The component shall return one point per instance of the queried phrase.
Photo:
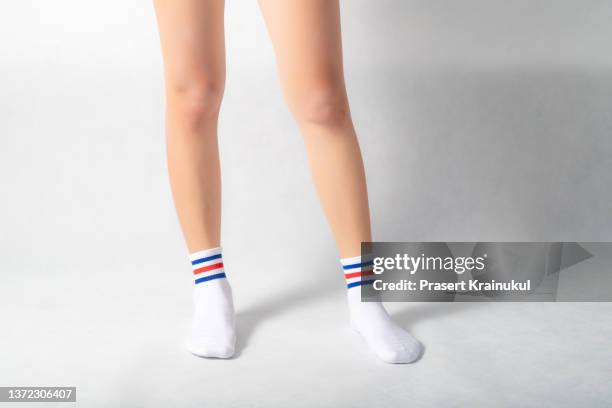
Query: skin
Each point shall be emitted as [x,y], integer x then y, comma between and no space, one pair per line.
[307,42]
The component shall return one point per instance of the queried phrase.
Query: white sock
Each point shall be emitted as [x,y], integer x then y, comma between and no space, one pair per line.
[212,329]
[389,341]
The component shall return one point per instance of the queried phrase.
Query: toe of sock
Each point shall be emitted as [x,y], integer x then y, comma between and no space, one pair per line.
[212,350]
[403,355]
[221,346]
[397,347]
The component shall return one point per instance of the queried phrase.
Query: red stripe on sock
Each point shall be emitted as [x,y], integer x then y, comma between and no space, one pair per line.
[208,268]
[356,274]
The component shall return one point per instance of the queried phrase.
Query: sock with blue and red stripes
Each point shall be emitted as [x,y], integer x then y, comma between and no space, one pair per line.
[212,329]
[390,342]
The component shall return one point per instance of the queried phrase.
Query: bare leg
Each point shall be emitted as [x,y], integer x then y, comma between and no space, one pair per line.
[192,39]
[306,38]
[307,42]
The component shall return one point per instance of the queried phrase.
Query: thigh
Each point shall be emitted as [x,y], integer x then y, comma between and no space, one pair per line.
[192,39]
[307,41]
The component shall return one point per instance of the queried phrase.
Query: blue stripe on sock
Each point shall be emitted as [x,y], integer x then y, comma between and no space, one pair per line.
[211,277]
[358,265]
[208,258]
[359,283]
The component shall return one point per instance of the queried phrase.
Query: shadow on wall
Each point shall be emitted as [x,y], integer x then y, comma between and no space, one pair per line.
[483,119]
[479,156]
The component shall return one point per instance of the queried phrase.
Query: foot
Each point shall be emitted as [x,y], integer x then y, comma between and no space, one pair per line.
[391,343]
[213,329]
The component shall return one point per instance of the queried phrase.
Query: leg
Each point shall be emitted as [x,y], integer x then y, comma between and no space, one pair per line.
[307,42]
[306,38]
[192,39]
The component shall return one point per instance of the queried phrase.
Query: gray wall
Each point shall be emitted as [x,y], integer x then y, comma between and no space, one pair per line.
[479,120]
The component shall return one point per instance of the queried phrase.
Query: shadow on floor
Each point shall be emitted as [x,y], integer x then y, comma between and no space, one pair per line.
[277,304]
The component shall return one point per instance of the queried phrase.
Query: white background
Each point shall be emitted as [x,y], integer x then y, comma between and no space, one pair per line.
[479,120]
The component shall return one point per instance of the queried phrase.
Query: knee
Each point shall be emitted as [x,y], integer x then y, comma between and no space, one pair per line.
[323,107]
[196,101]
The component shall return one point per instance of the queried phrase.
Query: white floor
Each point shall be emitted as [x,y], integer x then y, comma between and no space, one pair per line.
[117,337]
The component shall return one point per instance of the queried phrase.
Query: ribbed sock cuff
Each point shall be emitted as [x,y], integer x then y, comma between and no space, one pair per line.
[207,265]
[357,271]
